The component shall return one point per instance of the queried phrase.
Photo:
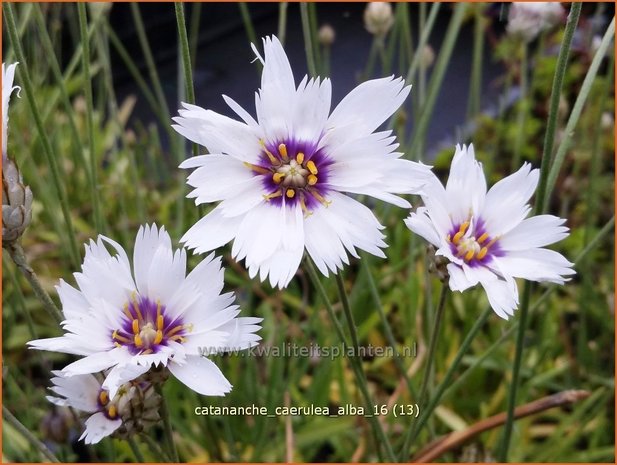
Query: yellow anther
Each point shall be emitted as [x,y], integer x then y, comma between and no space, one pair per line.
[127,312]
[135,326]
[159,322]
[482,238]
[493,240]
[117,344]
[482,253]
[177,337]
[256,168]
[290,193]
[306,211]
[457,237]
[103,397]
[273,195]
[146,352]
[120,338]
[449,238]
[469,255]
[283,151]
[159,337]
[463,227]
[136,306]
[138,341]
[112,412]
[318,196]
[312,179]
[273,159]
[310,165]
[300,157]
[278,177]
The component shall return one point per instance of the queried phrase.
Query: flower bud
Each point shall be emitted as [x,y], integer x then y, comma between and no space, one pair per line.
[378,18]
[527,19]
[16,203]
[437,264]
[428,56]
[137,403]
[326,35]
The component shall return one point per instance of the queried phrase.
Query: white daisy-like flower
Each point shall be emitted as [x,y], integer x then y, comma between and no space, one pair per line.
[135,404]
[155,315]
[280,179]
[486,236]
[8,75]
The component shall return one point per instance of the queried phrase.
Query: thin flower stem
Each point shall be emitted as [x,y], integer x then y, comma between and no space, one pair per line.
[308,39]
[429,362]
[576,112]
[475,88]
[194,31]
[522,108]
[549,137]
[386,325]
[445,383]
[375,425]
[282,25]
[85,59]
[51,156]
[169,434]
[560,71]
[358,362]
[155,447]
[15,423]
[19,258]
[186,60]
[135,449]
[437,76]
[248,23]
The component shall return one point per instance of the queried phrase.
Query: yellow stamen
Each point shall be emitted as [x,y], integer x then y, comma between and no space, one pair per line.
[461,232]
[256,168]
[482,238]
[104,397]
[283,151]
[112,411]
[318,196]
[305,210]
[159,337]
[492,242]
[120,338]
[310,165]
[136,306]
[159,322]
[138,341]
[127,312]
[312,180]
[448,238]
[146,352]
[174,330]
[278,177]
[135,326]
[300,157]
[177,337]
[482,253]
[273,159]
[469,255]
[290,193]
[273,195]
[117,344]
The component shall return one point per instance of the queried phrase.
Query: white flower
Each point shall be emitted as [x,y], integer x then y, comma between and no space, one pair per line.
[84,393]
[136,403]
[527,19]
[280,178]
[487,236]
[130,321]
[8,74]
[378,18]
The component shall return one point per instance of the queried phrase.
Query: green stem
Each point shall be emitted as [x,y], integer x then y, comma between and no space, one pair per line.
[282,26]
[169,434]
[136,452]
[248,23]
[194,31]
[155,447]
[15,423]
[475,90]
[549,138]
[308,39]
[341,334]
[560,71]
[576,112]
[19,258]
[186,60]
[412,432]
[386,325]
[85,59]
[445,383]
[438,74]
[51,156]
[522,108]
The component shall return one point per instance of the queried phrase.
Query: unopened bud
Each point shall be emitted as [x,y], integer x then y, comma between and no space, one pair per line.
[326,35]
[437,264]
[378,18]
[16,203]
[428,56]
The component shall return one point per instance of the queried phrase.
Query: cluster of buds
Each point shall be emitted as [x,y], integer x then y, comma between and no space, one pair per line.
[137,403]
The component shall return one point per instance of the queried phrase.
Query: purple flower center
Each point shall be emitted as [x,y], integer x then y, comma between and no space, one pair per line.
[146,327]
[471,242]
[293,172]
